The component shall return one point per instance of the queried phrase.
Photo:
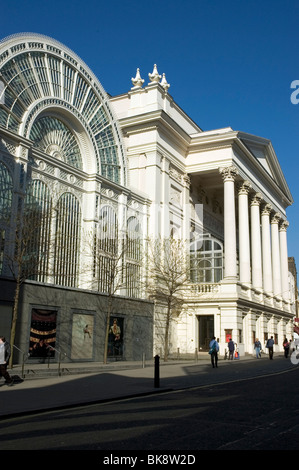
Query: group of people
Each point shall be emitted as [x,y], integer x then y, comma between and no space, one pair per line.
[214,349]
[269,346]
[287,346]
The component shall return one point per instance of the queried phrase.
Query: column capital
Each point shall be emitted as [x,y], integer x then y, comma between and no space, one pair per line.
[256,199]
[283,226]
[228,173]
[267,209]
[186,180]
[276,218]
[244,188]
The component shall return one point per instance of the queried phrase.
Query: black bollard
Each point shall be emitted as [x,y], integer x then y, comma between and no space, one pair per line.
[157,371]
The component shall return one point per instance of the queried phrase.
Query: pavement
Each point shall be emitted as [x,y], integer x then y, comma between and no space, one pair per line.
[46,387]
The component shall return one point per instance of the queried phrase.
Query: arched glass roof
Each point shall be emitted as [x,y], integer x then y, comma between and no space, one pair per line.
[37,72]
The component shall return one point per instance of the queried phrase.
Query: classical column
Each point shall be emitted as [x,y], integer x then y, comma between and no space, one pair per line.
[276,272]
[244,241]
[256,248]
[230,245]
[284,260]
[266,249]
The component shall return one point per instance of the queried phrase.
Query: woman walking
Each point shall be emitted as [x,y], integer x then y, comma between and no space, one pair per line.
[258,348]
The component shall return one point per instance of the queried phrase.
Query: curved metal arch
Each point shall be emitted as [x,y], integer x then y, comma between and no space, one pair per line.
[35,68]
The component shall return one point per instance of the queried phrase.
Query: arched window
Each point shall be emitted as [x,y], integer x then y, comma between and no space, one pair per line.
[133,248]
[37,230]
[38,72]
[206,260]
[133,257]
[67,241]
[106,250]
[108,230]
[52,136]
[6,192]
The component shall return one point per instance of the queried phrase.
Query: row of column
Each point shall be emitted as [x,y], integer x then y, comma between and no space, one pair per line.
[263,255]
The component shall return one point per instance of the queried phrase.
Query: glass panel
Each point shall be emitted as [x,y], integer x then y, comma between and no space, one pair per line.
[52,136]
[67,242]
[38,214]
[5,193]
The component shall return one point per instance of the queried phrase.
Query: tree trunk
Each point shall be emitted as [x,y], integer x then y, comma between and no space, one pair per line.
[107,329]
[14,320]
[166,338]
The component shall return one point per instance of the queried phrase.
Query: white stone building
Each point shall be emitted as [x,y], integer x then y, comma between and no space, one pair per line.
[137,161]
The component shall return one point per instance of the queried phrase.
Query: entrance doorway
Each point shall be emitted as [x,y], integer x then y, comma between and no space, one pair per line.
[205,331]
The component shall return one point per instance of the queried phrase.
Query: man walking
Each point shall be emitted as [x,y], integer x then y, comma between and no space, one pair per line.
[231,348]
[214,348]
[269,345]
[4,358]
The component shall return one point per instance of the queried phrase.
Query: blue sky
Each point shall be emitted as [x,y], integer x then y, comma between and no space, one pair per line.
[229,63]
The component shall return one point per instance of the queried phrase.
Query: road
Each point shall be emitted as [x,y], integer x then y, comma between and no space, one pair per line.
[240,412]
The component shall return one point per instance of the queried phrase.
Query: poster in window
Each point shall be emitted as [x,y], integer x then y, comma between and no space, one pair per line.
[115,338]
[82,336]
[228,335]
[42,333]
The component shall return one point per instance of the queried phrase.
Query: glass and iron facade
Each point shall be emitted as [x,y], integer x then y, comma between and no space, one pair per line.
[66,214]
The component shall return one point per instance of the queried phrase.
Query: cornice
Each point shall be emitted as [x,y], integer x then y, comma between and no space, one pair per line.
[157,118]
[14,137]
[160,121]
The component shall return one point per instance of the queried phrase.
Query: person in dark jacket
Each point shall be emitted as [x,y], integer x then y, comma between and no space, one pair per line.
[269,345]
[4,358]
[231,349]
[286,347]
[214,349]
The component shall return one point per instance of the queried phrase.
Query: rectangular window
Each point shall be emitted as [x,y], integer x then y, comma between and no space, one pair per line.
[228,335]
[115,338]
[82,336]
[42,333]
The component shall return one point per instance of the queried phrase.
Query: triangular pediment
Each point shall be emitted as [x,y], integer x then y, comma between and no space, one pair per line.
[264,153]
[261,155]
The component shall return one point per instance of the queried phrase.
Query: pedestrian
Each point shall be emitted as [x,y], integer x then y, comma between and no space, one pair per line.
[4,358]
[269,345]
[214,349]
[286,347]
[231,348]
[258,348]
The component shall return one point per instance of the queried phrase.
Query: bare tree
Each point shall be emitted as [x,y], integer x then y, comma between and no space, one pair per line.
[116,261]
[27,252]
[168,276]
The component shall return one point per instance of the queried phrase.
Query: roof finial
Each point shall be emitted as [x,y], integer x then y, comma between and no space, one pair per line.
[164,83]
[137,81]
[154,77]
